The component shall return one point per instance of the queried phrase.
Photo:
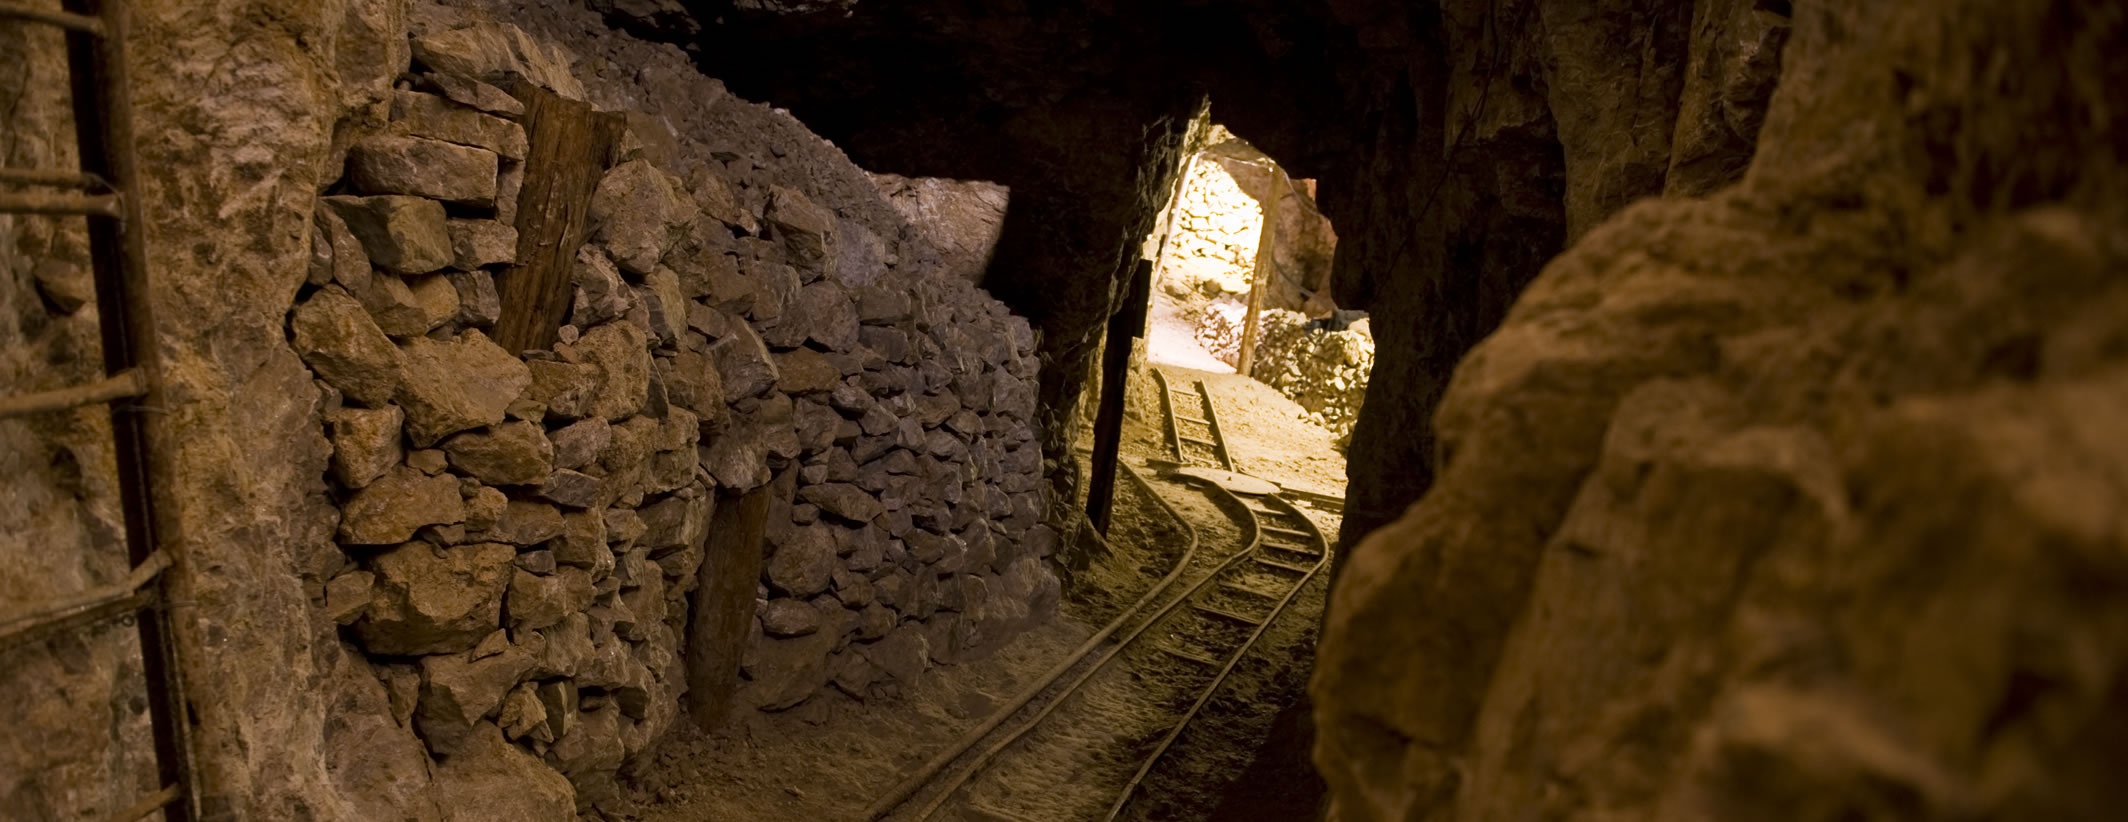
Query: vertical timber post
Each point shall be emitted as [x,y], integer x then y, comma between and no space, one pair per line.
[721,612]
[570,147]
[1127,324]
[1266,265]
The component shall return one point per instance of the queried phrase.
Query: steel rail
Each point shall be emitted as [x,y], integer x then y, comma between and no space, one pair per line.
[961,778]
[1167,408]
[1211,420]
[1137,780]
[915,782]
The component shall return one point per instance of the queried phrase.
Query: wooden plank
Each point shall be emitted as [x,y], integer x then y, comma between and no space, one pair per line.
[1126,324]
[1260,278]
[571,146]
[721,613]
[128,383]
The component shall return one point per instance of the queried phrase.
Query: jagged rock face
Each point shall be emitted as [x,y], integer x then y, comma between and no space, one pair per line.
[1758,502]
[440,540]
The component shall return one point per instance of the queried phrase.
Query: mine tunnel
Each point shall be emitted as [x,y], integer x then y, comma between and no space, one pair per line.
[1055,410]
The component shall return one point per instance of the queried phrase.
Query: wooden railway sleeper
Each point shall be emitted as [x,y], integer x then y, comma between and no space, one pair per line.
[1225,614]
[1286,566]
[1191,655]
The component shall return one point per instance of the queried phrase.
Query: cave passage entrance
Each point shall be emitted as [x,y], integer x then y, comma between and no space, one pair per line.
[1241,237]
[1233,287]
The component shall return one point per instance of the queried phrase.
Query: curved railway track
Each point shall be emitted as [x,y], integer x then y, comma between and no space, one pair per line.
[1084,740]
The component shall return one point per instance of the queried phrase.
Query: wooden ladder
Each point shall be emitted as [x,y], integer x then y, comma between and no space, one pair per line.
[106,191]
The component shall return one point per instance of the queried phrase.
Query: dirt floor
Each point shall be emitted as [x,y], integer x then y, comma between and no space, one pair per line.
[1264,432]
[1171,338]
[830,757]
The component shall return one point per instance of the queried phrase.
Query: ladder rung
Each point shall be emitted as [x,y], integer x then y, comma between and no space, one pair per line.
[1188,418]
[65,20]
[58,202]
[1199,440]
[151,803]
[1289,532]
[1189,655]
[1298,569]
[127,383]
[95,603]
[995,815]
[1222,613]
[49,177]
[1244,589]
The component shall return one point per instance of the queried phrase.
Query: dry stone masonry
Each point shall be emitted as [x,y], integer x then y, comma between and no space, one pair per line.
[1323,370]
[520,531]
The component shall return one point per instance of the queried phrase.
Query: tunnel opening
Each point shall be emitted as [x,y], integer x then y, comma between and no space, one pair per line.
[766,409]
[1226,279]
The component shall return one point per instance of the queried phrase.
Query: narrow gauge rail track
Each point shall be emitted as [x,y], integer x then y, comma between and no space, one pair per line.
[1201,443]
[1168,665]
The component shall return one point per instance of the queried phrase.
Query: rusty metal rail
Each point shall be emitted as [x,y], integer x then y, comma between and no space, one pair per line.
[1208,448]
[103,131]
[1272,527]
[922,776]
[946,792]
[1322,546]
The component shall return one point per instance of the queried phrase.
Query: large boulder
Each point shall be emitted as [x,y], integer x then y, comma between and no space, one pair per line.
[844,500]
[439,118]
[430,600]
[806,230]
[618,358]
[513,453]
[481,243]
[782,673]
[489,778]
[638,213]
[344,347]
[499,53]
[403,234]
[452,386]
[744,365]
[392,508]
[365,443]
[459,690]
[420,167]
[804,564]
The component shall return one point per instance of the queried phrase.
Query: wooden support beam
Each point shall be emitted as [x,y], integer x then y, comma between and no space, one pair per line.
[1128,323]
[721,609]
[1266,262]
[571,146]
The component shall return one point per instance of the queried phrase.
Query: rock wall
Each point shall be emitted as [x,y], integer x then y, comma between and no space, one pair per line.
[427,577]
[69,698]
[1220,222]
[724,328]
[1800,501]
[962,218]
[1324,371]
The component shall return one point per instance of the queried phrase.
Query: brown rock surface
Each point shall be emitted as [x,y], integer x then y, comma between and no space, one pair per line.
[399,233]
[489,778]
[1758,502]
[452,386]
[391,508]
[340,342]
[429,600]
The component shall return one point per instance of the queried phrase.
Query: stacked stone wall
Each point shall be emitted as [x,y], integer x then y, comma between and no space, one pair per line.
[520,531]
